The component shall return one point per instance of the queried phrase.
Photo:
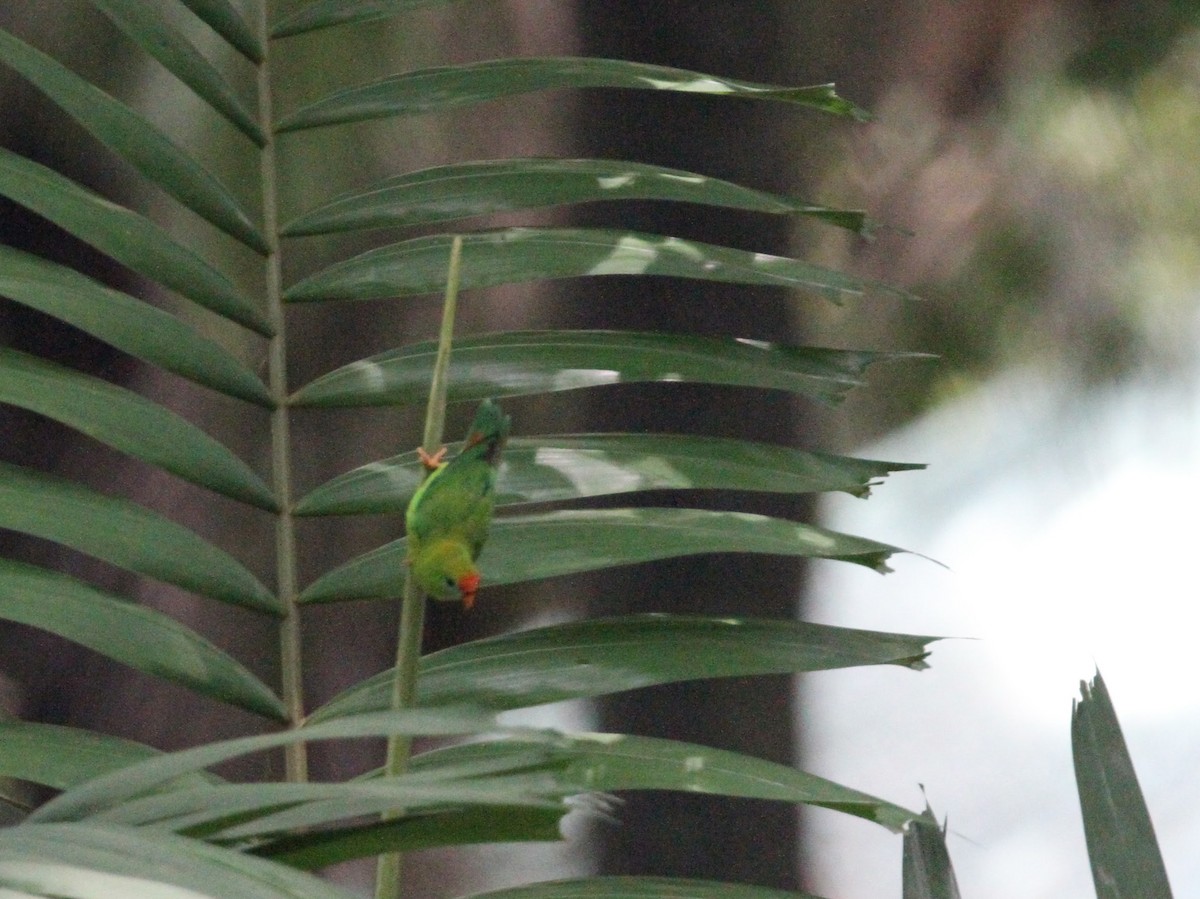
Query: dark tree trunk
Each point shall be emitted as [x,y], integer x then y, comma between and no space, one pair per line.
[673,834]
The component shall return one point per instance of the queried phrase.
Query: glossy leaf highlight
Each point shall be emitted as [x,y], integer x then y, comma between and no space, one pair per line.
[552,469]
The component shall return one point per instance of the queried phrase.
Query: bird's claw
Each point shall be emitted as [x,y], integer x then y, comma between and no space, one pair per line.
[431,461]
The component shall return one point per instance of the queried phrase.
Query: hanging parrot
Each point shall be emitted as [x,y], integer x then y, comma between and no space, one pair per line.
[448,516]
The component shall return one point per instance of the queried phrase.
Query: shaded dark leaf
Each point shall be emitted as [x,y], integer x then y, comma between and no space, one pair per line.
[1126,861]
[450,87]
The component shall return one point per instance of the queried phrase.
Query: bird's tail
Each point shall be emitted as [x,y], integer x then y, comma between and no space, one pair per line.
[488,433]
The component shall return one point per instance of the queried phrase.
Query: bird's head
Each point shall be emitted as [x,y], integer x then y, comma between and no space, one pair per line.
[445,571]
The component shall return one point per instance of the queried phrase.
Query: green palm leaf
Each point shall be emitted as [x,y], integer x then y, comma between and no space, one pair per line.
[127,237]
[574,541]
[456,827]
[222,18]
[129,423]
[124,534]
[146,27]
[592,658]
[61,757]
[326,13]
[451,87]
[135,139]
[131,634]
[468,189]
[519,363]
[89,861]
[609,762]
[514,255]
[926,870]
[552,469]
[1126,861]
[229,812]
[126,323]
[110,790]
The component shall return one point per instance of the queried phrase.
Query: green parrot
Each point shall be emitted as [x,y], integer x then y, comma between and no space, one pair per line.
[448,516]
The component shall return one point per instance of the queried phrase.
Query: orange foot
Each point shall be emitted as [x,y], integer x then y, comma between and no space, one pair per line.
[431,462]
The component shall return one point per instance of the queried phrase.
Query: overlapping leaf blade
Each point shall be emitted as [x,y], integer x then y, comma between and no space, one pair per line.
[530,788]
[1125,858]
[135,139]
[61,757]
[91,861]
[230,812]
[451,87]
[126,535]
[597,657]
[468,189]
[127,237]
[572,541]
[126,323]
[326,13]
[222,18]
[610,762]
[551,469]
[132,634]
[130,423]
[108,790]
[518,363]
[457,827]
[146,27]
[513,255]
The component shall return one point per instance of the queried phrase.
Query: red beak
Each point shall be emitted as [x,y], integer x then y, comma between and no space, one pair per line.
[469,585]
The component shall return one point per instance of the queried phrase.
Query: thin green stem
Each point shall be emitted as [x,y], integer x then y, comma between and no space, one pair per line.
[412,605]
[290,662]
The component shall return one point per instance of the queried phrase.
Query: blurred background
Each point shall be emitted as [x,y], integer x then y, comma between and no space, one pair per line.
[1033,165]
